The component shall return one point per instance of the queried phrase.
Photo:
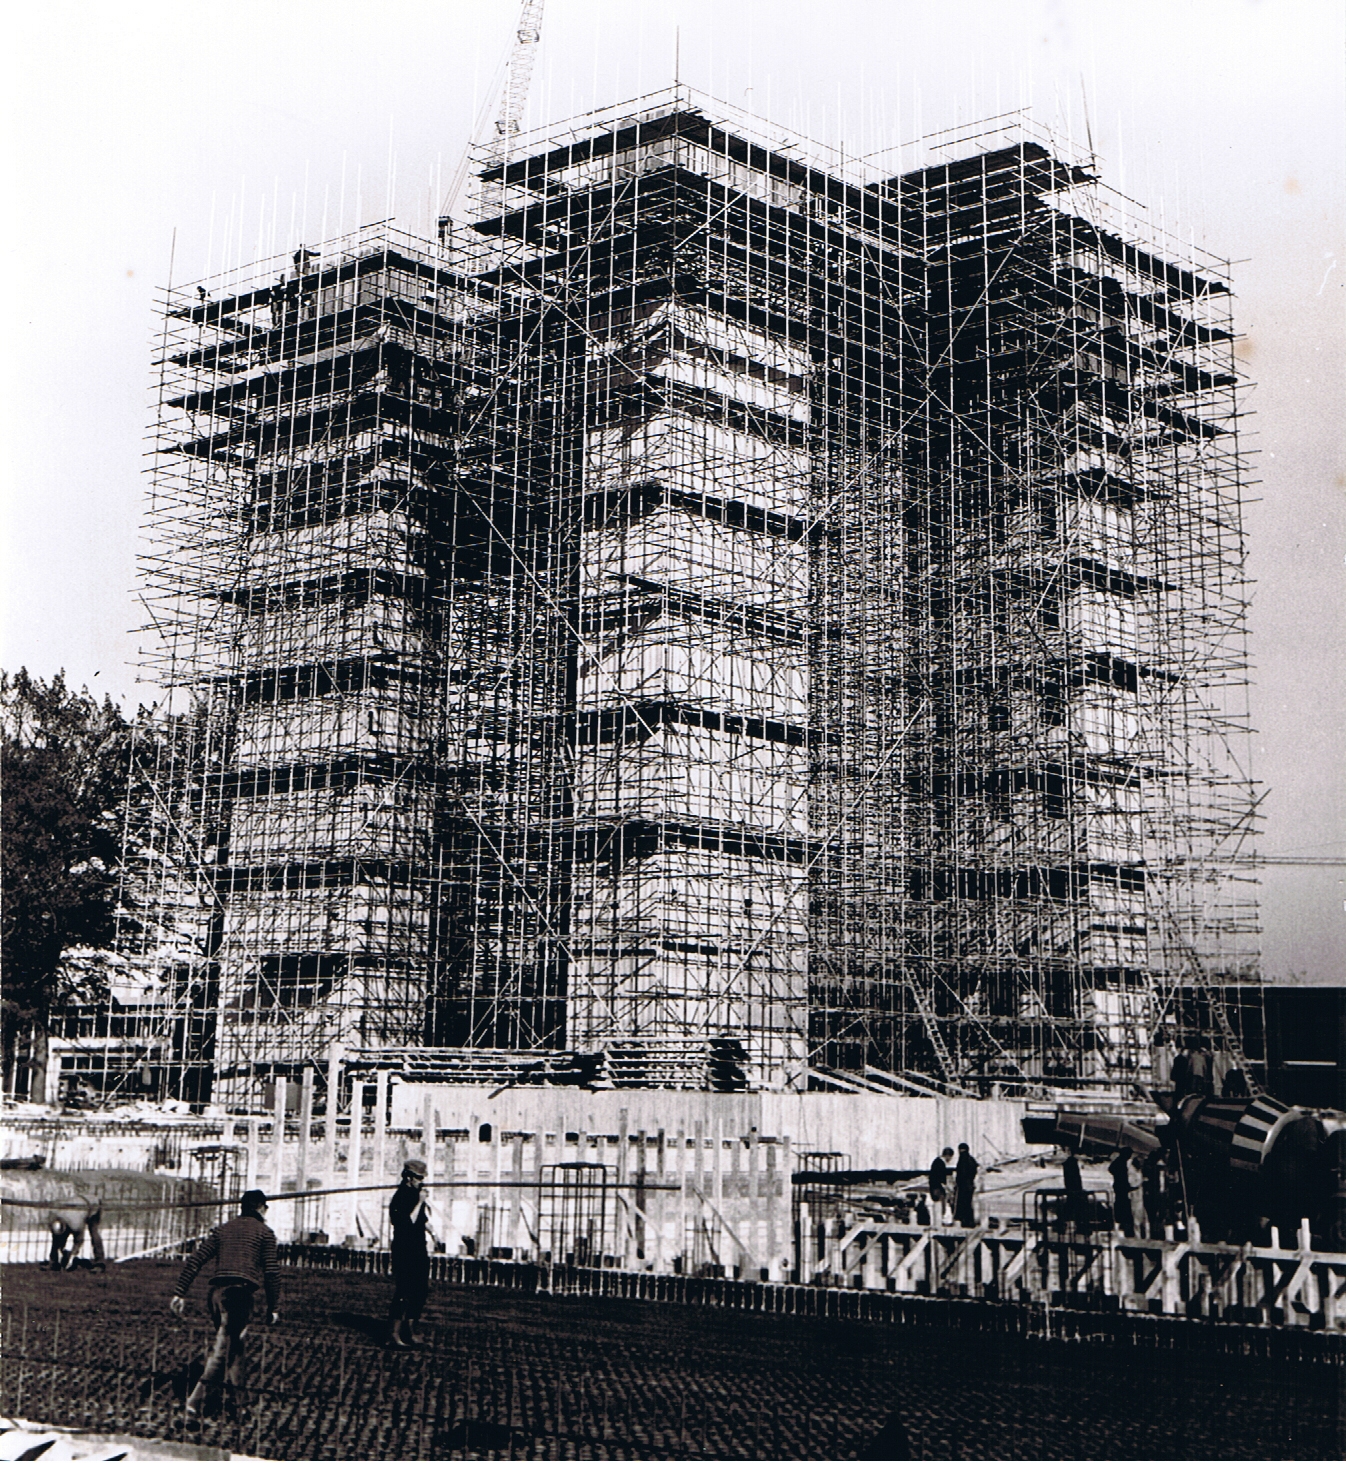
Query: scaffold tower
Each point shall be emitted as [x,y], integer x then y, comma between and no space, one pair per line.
[723,611]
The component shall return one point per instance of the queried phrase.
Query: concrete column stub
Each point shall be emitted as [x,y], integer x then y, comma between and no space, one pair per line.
[282,1086]
[305,1125]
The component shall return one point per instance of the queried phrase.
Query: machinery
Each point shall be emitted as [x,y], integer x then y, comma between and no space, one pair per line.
[1240,1165]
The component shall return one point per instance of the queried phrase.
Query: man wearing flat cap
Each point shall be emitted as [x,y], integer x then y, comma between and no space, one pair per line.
[409,1216]
[244,1251]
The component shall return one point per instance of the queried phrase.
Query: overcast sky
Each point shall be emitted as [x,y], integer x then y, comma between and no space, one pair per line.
[190,136]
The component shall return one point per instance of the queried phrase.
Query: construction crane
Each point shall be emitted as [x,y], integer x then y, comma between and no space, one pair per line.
[518,76]
[513,98]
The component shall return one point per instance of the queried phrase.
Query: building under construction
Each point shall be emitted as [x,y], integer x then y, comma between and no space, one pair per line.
[719,618]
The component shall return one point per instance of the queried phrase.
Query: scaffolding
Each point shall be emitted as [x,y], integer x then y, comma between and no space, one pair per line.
[718,610]
[1081,602]
[301,463]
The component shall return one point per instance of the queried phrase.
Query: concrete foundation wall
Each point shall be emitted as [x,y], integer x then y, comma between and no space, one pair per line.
[74,1143]
[873,1132]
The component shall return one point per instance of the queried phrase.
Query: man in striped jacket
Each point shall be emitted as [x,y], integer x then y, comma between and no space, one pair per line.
[244,1251]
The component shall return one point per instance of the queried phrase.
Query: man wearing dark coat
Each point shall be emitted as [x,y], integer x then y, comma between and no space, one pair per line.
[1076,1211]
[964,1187]
[939,1187]
[408,1214]
[1122,1173]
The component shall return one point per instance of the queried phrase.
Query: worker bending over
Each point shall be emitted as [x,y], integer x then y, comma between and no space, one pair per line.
[68,1223]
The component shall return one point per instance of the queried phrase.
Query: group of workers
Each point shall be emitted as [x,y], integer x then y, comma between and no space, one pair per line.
[953,1187]
[246,1266]
[1142,1193]
[1142,1197]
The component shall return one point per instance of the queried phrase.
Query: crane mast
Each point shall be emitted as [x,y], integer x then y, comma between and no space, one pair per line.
[518,76]
[513,98]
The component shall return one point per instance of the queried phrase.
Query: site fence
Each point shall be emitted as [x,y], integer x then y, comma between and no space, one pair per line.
[1054,1286]
[1288,1285]
[1081,1313]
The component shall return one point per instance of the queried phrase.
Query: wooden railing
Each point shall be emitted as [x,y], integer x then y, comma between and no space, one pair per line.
[1264,1285]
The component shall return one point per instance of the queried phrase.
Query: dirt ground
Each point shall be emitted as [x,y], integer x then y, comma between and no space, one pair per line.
[516,1375]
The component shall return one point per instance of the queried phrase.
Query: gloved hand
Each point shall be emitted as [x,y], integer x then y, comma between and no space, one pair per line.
[177,1305]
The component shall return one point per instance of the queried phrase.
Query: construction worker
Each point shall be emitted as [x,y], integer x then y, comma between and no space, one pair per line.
[1153,1193]
[409,1216]
[68,1224]
[1075,1210]
[1128,1197]
[1135,1178]
[244,1251]
[941,1203]
[964,1188]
